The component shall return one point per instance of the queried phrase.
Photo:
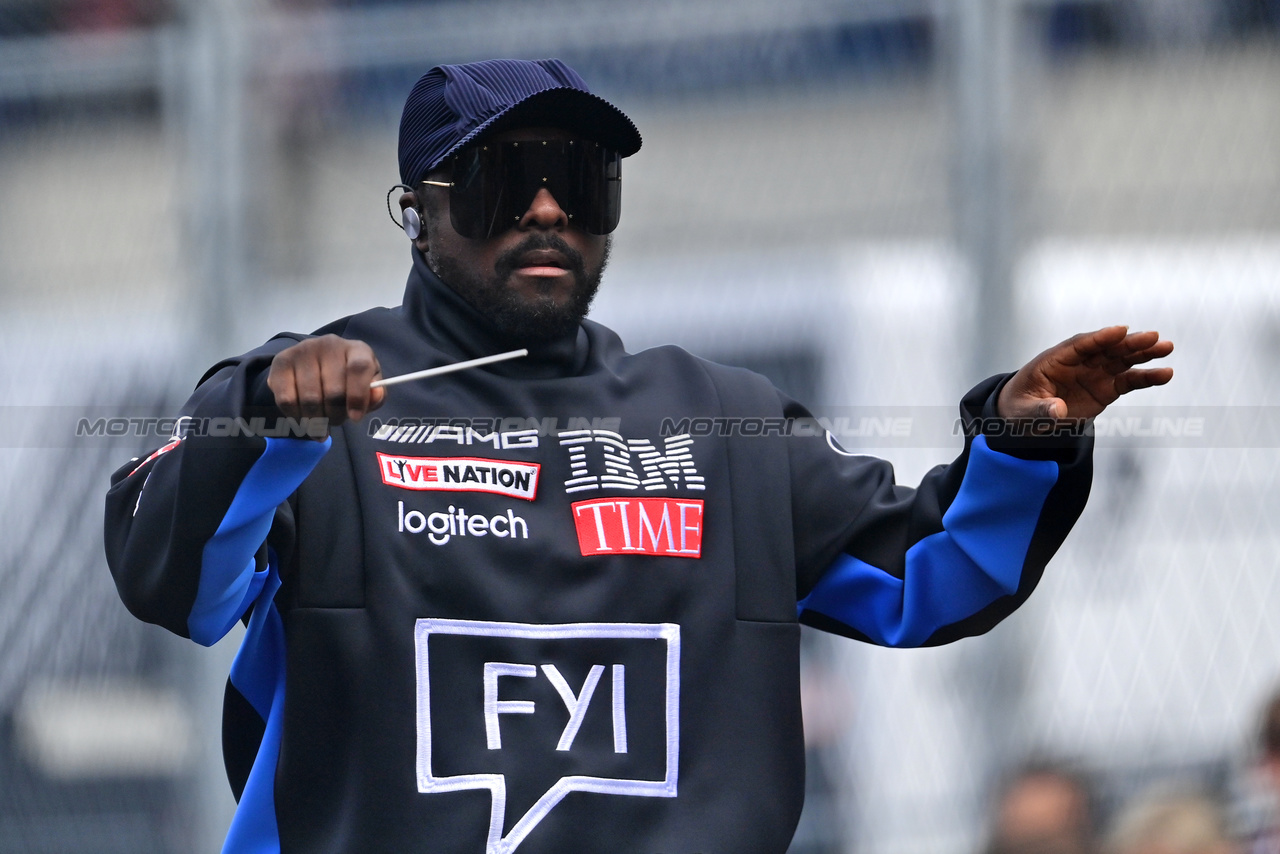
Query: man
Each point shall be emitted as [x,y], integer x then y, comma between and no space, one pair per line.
[525,606]
[1257,797]
[1044,808]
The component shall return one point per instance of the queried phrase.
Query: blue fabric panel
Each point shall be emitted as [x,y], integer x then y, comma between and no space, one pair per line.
[258,673]
[953,574]
[228,581]
[996,510]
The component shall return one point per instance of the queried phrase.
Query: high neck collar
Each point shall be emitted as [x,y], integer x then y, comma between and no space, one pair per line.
[451,324]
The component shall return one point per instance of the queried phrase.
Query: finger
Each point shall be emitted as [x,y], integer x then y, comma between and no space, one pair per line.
[1160,349]
[1029,405]
[361,370]
[1116,364]
[1086,345]
[1051,407]
[283,385]
[1122,349]
[1156,351]
[1140,340]
[333,381]
[1136,379]
[306,372]
[1135,342]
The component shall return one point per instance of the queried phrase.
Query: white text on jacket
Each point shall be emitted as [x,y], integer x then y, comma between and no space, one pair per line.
[457,522]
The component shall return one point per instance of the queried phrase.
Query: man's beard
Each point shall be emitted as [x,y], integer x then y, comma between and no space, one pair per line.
[522,321]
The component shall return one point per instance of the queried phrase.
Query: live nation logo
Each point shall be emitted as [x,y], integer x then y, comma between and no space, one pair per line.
[460,474]
[671,527]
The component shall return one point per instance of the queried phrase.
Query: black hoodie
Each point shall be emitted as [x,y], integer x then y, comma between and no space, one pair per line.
[551,605]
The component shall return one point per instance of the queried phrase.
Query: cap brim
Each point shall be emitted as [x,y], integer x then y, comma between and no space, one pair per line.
[587,115]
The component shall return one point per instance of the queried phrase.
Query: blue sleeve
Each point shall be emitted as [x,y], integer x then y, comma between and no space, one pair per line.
[917,567]
[975,559]
[230,579]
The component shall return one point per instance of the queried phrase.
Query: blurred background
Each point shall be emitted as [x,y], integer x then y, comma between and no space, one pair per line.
[874,202]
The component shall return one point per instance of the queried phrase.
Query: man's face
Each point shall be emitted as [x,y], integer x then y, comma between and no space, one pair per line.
[535,280]
[1043,814]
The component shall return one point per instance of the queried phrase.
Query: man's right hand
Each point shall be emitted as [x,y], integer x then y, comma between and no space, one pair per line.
[326,377]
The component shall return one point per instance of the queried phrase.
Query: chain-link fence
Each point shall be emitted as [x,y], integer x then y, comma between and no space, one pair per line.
[874,203]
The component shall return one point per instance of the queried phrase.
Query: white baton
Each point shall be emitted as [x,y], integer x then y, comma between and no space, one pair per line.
[448,369]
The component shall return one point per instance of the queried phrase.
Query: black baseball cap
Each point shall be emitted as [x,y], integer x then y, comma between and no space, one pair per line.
[451,105]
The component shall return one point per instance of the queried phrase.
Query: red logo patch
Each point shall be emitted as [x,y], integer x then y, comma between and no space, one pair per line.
[671,527]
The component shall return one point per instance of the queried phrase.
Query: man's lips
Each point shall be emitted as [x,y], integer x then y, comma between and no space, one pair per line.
[542,262]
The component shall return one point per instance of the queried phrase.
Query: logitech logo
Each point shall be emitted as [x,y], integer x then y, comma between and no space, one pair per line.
[441,527]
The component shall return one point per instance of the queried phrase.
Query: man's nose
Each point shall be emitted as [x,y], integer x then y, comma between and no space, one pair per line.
[544,212]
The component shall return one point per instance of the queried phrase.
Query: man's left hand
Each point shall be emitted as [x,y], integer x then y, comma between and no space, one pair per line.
[1084,374]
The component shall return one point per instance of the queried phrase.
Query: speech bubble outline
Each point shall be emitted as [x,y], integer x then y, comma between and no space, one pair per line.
[428,783]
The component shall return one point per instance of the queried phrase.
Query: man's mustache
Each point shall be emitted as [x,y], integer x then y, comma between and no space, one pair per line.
[509,261]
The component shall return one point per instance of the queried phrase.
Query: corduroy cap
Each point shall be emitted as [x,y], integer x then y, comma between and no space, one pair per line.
[453,104]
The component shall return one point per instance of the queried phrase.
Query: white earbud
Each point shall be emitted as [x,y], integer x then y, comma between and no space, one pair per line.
[412,223]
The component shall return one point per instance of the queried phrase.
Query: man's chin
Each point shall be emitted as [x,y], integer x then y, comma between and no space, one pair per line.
[542,289]
[536,321]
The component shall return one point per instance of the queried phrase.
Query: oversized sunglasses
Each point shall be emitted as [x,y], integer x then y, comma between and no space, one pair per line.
[493,184]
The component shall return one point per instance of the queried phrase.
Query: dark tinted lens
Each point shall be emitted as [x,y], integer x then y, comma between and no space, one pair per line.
[599,188]
[477,192]
[494,185]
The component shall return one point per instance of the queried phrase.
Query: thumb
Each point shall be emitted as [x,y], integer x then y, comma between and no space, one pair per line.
[1051,407]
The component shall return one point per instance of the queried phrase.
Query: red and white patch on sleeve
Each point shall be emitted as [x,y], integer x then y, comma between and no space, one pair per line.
[164,449]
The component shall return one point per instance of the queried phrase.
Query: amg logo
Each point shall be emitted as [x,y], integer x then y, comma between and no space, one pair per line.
[460,474]
[644,526]
[413,430]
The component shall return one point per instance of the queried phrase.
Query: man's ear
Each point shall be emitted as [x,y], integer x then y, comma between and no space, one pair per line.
[409,200]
